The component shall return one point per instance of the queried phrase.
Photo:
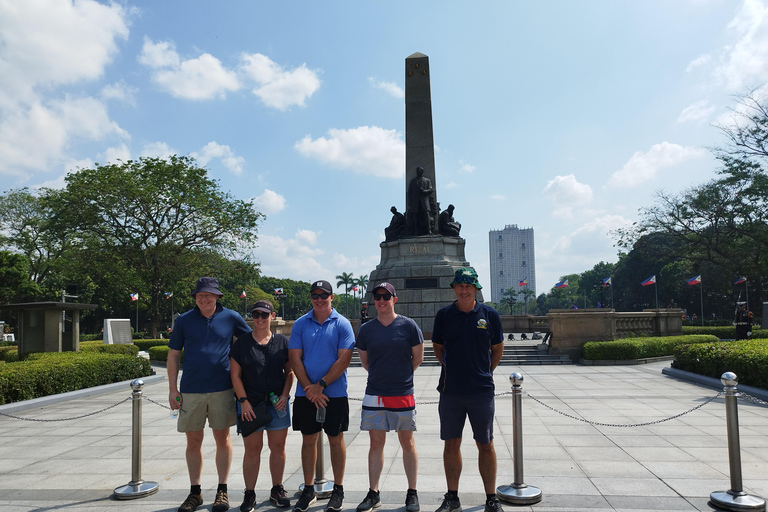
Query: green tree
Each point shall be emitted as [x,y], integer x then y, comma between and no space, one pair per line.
[347,280]
[508,300]
[15,285]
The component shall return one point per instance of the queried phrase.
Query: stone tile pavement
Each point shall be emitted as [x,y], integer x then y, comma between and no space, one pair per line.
[75,465]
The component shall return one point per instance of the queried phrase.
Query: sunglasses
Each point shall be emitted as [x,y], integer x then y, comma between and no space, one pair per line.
[263,315]
[465,279]
[316,296]
[382,296]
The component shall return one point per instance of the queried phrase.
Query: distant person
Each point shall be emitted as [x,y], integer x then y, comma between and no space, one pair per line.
[260,366]
[205,334]
[364,313]
[391,347]
[468,341]
[743,321]
[320,349]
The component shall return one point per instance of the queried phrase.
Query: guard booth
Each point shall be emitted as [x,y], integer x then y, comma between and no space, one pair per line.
[41,326]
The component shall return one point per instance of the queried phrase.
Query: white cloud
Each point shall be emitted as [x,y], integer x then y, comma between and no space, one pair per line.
[696,112]
[277,87]
[466,168]
[295,257]
[390,88]
[202,78]
[643,167]
[567,191]
[113,154]
[497,197]
[270,202]
[451,184]
[119,91]
[157,150]
[364,150]
[212,150]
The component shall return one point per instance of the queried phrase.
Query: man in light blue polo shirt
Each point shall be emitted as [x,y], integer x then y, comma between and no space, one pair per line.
[320,349]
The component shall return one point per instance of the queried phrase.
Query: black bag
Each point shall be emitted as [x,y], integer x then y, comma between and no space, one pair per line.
[263,417]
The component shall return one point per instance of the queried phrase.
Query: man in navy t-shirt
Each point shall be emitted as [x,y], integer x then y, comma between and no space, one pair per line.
[205,333]
[468,341]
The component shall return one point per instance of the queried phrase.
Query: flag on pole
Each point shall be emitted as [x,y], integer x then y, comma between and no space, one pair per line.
[242,295]
[278,291]
[606,281]
[354,288]
[134,296]
[740,280]
[168,295]
[650,280]
[524,282]
[562,284]
[694,280]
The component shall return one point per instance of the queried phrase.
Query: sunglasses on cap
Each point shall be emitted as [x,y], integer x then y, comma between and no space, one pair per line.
[465,279]
[382,296]
[316,296]
[261,314]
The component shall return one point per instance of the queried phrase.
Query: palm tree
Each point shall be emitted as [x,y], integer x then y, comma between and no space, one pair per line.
[527,294]
[346,280]
[361,283]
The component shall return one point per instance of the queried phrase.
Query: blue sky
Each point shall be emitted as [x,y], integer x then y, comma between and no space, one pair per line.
[561,116]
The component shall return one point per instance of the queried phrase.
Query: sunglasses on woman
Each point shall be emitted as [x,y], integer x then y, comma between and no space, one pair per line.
[316,296]
[263,315]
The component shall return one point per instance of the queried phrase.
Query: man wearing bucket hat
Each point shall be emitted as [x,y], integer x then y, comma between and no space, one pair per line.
[205,333]
[467,339]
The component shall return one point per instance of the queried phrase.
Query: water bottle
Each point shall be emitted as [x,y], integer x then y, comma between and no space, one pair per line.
[274,399]
[320,415]
[175,412]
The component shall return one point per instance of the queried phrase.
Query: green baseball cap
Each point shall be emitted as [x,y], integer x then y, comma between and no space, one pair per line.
[466,275]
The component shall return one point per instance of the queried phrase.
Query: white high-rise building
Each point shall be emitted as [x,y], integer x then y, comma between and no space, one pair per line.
[512,260]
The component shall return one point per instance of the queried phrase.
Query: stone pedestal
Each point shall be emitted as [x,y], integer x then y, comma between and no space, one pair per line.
[421,269]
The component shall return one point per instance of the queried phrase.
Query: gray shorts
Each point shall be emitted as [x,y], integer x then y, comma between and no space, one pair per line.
[388,413]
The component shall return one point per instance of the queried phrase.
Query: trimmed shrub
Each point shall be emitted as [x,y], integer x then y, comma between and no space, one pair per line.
[747,359]
[9,353]
[91,337]
[59,372]
[724,332]
[98,346]
[640,348]
[145,344]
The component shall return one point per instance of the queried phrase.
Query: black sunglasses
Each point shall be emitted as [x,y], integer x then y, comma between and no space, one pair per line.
[382,296]
[316,296]
[263,315]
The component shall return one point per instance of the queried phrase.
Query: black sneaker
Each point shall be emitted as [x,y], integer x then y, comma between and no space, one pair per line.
[279,497]
[493,505]
[221,503]
[412,502]
[248,501]
[372,500]
[306,498]
[191,503]
[336,501]
[450,504]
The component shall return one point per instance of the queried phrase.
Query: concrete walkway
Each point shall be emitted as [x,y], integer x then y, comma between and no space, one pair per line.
[673,465]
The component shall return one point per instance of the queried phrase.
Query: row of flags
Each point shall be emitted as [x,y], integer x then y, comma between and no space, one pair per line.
[651,280]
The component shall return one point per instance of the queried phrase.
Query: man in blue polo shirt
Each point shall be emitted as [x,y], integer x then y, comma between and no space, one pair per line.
[320,348]
[468,341]
[205,333]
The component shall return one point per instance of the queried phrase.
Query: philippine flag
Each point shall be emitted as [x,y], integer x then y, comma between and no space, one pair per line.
[740,280]
[278,291]
[134,296]
[606,281]
[694,280]
[562,284]
[242,295]
[524,282]
[650,280]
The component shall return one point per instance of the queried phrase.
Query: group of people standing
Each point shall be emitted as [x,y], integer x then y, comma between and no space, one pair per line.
[232,384]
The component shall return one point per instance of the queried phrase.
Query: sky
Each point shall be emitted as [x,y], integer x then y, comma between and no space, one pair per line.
[562,116]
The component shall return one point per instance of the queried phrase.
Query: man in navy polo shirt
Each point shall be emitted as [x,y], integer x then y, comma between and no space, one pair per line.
[205,333]
[468,341]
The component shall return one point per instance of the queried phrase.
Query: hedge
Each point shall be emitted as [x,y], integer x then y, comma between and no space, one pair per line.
[98,346]
[146,344]
[59,372]
[747,359]
[9,353]
[725,332]
[160,353]
[640,348]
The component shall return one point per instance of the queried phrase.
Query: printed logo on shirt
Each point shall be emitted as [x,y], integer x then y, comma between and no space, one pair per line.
[482,324]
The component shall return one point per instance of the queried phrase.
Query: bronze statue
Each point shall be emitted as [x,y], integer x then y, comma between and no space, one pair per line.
[396,227]
[419,211]
[448,226]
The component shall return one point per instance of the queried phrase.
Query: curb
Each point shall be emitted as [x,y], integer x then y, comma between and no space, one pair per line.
[713,383]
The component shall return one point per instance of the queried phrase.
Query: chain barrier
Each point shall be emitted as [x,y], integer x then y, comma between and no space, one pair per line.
[429,403]
[168,407]
[750,398]
[66,419]
[596,423]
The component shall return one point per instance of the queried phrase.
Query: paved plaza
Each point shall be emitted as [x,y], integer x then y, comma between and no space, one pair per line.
[672,465]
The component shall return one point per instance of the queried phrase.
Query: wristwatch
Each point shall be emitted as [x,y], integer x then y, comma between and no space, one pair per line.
[322,383]
[242,399]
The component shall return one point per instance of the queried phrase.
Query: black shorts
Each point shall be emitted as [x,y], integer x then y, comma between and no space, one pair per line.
[336,416]
[455,409]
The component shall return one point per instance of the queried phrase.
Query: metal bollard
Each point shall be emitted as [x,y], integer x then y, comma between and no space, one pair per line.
[323,486]
[517,492]
[735,498]
[136,488]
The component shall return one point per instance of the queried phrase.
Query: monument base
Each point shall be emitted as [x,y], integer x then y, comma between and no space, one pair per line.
[421,269]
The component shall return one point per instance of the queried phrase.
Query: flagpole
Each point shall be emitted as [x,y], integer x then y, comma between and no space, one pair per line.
[137,314]
[701,293]
[656,290]
[746,292]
